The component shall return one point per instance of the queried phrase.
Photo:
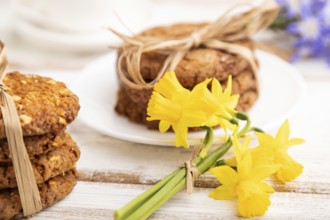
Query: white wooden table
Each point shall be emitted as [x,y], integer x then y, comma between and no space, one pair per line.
[112,171]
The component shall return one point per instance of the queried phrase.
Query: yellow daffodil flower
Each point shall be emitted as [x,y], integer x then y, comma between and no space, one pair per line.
[279,145]
[218,105]
[246,183]
[169,85]
[173,107]
[260,156]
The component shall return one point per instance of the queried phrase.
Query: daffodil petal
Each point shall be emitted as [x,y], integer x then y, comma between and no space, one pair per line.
[224,123]
[181,135]
[244,166]
[164,126]
[289,170]
[265,187]
[232,162]
[246,143]
[202,86]
[193,118]
[237,148]
[262,156]
[283,133]
[294,141]
[216,87]
[229,86]
[262,172]
[212,121]
[168,85]
[232,102]
[265,140]
[226,175]
[223,193]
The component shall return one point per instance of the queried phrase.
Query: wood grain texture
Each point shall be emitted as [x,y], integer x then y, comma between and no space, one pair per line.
[99,200]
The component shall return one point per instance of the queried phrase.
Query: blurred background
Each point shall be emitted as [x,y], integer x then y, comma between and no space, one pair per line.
[51,31]
[67,34]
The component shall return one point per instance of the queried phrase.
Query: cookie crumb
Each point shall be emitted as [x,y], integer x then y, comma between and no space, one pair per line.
[25,120]
[16,98]
[52,82]
[52,183]
[62,121]
[55,158]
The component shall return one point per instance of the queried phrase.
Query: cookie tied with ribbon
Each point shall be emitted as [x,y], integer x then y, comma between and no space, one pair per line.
[37,156]
[27,185]
[195,52]
[239,22]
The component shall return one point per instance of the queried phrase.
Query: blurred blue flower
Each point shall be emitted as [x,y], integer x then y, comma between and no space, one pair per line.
[309,22]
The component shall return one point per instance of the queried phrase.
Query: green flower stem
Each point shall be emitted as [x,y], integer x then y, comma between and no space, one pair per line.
[204,165]
[176,184]
[159,195]
[139,200]
[127,210]
[234,121]
[220,163]
[255,129]
[169,195]
[244,117]
[208,161]
[207,142]
[145,204]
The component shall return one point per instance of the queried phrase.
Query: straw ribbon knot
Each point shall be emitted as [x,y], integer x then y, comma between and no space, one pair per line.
[196,39]
[192,170]
[239,22]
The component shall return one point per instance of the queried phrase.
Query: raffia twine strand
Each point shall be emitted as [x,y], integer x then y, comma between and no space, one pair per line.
[192,170]
[26,182]
[239,22]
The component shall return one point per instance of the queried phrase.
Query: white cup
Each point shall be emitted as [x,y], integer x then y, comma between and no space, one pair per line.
[81,15]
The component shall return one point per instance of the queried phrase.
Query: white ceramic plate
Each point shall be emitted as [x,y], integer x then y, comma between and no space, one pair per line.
[281,90]
[63,42]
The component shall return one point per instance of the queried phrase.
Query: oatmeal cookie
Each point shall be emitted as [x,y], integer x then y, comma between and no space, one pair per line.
[45,166]
[198,64]
[51,191]
[35,145]
[43,104]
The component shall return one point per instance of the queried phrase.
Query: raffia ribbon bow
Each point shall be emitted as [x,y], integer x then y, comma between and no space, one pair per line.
[192,170]
[239,22]
[26,182]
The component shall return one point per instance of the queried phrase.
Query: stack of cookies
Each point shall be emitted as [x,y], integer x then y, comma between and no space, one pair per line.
[45,108]
[197,65]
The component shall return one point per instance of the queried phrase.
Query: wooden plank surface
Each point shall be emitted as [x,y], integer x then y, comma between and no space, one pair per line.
[99,200]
